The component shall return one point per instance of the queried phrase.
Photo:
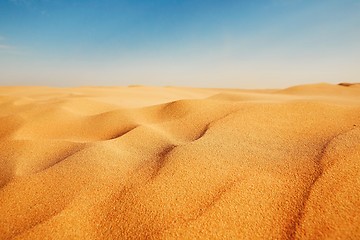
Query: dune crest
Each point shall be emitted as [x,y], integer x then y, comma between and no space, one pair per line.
[143,162]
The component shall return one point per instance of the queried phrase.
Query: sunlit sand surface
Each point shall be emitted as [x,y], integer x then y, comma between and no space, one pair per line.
[180,163]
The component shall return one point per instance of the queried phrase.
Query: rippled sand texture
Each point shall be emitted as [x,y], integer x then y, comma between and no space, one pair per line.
[180,163]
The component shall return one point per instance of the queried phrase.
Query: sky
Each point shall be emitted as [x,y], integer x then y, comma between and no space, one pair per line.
[197,43]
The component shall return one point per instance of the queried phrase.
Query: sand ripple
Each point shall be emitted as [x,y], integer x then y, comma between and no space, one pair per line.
[180,163]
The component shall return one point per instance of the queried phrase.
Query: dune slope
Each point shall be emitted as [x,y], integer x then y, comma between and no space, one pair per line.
[180,163]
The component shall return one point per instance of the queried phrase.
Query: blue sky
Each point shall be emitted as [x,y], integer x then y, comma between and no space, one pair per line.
[212,43]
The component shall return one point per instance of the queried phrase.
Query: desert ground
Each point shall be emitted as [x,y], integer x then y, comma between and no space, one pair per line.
[142,162]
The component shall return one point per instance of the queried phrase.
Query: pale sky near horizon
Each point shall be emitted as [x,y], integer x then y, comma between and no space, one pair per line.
[213,43]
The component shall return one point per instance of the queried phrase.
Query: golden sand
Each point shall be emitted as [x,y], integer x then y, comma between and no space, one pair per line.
[180,163]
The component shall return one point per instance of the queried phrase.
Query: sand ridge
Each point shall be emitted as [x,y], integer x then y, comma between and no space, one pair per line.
[145,162]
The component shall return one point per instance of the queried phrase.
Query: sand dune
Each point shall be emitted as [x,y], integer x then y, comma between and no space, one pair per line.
[180,163]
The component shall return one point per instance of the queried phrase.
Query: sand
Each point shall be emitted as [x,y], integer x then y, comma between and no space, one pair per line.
[143,162]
